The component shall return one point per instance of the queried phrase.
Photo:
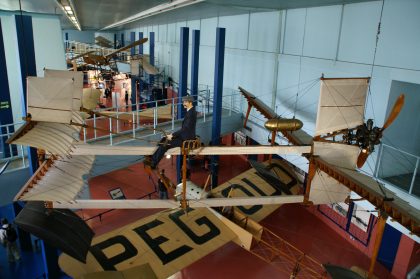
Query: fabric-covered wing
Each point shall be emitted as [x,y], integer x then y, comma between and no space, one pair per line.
[50,99]
[90,98]
[58,180]
[324,188]
[372,190]
[60,228]
[341,104]
[143,271]
[78,84]
[167,241]
[147,67]
[251,184]
[56,138]
[134,67]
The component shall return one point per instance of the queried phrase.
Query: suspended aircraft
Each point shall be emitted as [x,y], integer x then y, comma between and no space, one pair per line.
[53,124]
[73,64]
[103,42]
[102,60]
[142,61]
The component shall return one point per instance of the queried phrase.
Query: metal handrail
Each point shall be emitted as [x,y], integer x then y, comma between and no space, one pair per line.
[379,160]
[204,106]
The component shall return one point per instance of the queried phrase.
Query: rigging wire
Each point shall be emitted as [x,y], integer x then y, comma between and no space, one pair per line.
[374,58]
[300,62]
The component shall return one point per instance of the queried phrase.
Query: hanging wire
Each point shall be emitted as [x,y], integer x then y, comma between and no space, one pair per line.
[374,58]
[300,64]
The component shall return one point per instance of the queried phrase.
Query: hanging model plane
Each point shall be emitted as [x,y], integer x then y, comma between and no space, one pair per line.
[172,239]
[102,60]
[341,143]
[103,42]
[142,61]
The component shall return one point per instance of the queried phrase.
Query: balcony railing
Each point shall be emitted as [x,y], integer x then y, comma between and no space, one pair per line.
[124,122]
[399,168]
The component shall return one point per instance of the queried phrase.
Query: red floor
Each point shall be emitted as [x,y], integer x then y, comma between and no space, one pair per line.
[293,222]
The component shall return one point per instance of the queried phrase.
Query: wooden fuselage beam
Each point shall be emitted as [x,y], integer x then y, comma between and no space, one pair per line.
[395,207]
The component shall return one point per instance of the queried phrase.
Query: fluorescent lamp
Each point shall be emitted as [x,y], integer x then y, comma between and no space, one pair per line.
[69,11]
[172,5]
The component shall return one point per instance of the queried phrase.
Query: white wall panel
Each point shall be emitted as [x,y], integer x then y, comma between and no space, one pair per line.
[206,66]
[399,41]
[175,61]
[252,70]
[358,33]
[208,31]
[380,89]
[302,77]
[236,30]
[11,52]
[48,43]
[294,31]
[264,31]
[178,30]
[322,31]
[193,25]
[171,36]
[287,83]
[80,36]
[162,33]
[155,28]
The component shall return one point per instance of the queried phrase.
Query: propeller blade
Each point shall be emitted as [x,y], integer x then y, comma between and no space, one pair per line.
[361,159]
[136,43]
[394,112]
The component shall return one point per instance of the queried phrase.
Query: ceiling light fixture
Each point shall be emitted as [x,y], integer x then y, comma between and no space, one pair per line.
[172,5]
[68,7]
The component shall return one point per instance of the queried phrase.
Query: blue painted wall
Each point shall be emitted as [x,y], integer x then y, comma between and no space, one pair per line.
[389,247]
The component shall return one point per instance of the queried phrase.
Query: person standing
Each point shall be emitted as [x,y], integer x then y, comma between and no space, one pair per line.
[8,237]
[187,132]
[163,191]
[126,97]
[107,92]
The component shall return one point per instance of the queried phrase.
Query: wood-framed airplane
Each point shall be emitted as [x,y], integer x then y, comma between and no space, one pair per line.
[54,125]
[102,60]
[103,42]
[142,61]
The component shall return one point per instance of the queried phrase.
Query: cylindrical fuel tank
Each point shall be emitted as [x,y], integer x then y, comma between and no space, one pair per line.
[279,124]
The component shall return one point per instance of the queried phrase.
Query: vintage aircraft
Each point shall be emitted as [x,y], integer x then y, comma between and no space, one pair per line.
[172,239]
[102,60]
[103,42]
[73,62]
[142,61]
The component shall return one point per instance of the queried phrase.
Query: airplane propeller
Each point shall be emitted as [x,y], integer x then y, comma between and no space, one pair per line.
[368,136]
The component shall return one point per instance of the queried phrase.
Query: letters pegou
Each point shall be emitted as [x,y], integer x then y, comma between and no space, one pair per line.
[168,241]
